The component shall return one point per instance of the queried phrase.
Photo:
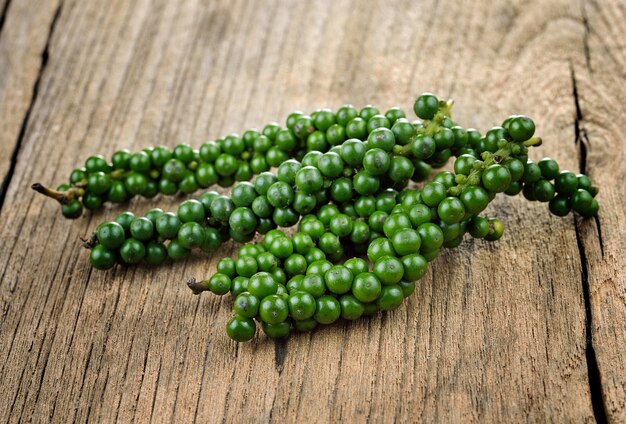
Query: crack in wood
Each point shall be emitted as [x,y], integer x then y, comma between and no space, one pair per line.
[581,139]
[599,229]
[593,371]
[580,133]
[3,15]
[21,135]
[587,26]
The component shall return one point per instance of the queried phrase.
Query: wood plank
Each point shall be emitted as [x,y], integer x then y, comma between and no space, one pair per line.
[601,94]
[24,32]
[494,333]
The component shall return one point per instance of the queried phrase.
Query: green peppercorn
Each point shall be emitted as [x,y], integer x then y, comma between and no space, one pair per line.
[302,305]
[262,284]
[241,329]
[132,251]
[496,178]
[102,258]
[142,229]
[390,298]
[388,269]
[328,310]
[521,128]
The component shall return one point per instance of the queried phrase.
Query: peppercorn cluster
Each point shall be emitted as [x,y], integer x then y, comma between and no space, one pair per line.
[344,177]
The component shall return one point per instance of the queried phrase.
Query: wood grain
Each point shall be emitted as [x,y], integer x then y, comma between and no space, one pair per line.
[600,87]
[526,329]
[23,55]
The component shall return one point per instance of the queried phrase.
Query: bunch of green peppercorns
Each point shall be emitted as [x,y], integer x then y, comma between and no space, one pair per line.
[344,177]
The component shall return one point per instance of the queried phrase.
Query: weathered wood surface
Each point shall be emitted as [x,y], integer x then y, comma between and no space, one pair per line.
[23,53]
[531,328]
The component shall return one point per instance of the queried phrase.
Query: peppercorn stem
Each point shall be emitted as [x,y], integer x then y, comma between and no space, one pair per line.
[196,287]
[533,141]
[118,174]
[399,150]
[63,197]
[475,175]
[429,128]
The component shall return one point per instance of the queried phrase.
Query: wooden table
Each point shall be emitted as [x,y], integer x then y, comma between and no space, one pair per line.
[531,328]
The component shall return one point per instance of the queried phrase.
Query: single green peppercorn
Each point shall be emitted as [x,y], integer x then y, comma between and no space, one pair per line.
[219,284]
[156,253]
[406,241]
[351,307]
[532,172]
[581,201]
[407,287]
[559,206]
[543,190]
[415,266]
[241,329]
[433,193]
[475,199]
[280,195]
[566,183]
[431,236]
[191,235]
[92,201]
[314,285]
[221,209]
[328,310]
[353,152]
[496,178]
[262,284]
[338,279]
[381,138]
[426,106]
[246,305]
[167,225]
[451,210]
[243,194]
[464,164]
[96,163]
[132,251]
[267,262]
[521,128]
[396,222]
[345,114]
[273,309]
[366,287]
[277,331]
[496,229]
[335,134]
[226,266]
[549,168]
[121,160]
[176,251]
[302,305]
[142,229]
[295,264]
[368,112]
[365,184]
[102,258]
[246,266]
[243,220]
[72,210]
[166,187]
[125,219]
[390,298]
[378,121]
[111,235]
[281,247]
